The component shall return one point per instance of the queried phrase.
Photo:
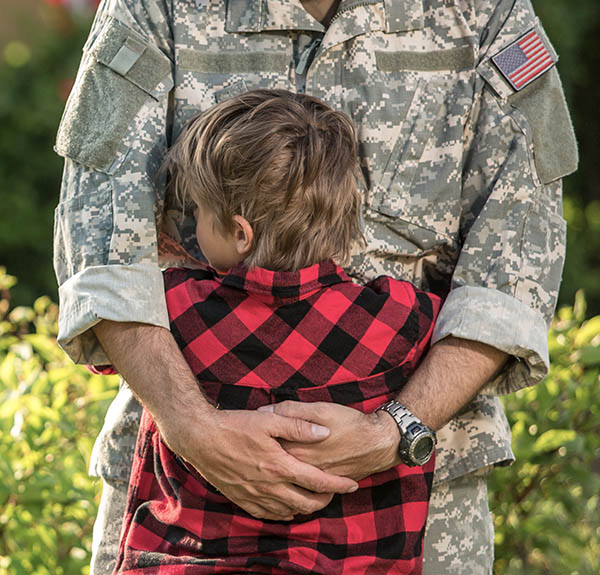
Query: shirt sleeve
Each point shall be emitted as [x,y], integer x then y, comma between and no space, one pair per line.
[113,135]
[518,146]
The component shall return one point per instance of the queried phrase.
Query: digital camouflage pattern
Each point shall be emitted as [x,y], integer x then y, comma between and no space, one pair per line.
[462,190]
[459,537]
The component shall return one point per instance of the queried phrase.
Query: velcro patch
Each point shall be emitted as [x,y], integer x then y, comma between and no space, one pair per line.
[526,59]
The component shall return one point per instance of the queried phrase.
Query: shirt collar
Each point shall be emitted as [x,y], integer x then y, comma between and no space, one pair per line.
[285,287]
[385,15]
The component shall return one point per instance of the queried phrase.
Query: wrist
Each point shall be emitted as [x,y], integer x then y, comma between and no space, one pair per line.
[417,441]
[386,440]
[187,424]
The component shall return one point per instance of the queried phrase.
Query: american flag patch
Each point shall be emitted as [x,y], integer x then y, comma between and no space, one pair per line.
[524,60]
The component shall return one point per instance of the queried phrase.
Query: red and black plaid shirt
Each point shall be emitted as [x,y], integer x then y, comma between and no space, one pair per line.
[256,337]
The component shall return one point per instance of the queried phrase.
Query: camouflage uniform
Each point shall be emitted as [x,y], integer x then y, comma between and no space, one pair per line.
[462,172]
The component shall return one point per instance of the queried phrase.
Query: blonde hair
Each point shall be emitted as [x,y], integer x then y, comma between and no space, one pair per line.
[287,163]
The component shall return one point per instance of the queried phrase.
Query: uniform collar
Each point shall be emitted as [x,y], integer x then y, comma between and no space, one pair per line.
[261,15]
[285,287]
[353,17]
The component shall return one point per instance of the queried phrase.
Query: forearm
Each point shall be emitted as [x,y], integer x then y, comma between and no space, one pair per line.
[451,375]
[237,451]
[150,361]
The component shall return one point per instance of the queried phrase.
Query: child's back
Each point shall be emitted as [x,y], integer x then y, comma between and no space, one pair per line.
[253,337]
[256,337]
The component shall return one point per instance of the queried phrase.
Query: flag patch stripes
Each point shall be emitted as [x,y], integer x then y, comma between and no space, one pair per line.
[525,60]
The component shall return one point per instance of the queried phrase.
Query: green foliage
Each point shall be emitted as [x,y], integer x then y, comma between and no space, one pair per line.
[50,413]
[35,81]
[546,505]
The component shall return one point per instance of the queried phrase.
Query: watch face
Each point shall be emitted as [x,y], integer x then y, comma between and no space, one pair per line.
[423,448]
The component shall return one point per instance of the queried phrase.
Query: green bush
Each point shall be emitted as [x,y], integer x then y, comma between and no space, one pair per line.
[35,79]
[50,413]
[546,505]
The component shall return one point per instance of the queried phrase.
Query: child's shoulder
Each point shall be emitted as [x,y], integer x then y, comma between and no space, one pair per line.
[400,293]
[174,277]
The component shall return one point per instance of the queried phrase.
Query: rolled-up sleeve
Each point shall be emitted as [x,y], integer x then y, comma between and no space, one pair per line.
[518,146]
[113,137]
[132,293]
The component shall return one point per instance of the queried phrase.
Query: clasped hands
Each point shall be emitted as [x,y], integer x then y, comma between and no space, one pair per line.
[289,458]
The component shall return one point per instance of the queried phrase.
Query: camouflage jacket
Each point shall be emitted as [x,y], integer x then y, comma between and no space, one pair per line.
[462,169]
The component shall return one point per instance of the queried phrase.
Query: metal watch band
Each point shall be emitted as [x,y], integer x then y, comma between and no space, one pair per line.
[412,430]
[400,413]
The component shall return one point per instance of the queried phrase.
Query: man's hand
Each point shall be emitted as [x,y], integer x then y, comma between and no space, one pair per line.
[359,444]
[236,451]
[453,372]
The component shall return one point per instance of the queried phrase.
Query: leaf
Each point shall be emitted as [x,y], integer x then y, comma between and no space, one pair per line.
[552,440]
[589,355]
[588,331]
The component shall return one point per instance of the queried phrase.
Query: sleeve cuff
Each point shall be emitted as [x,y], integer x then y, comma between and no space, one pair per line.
[132,293]
[501,321]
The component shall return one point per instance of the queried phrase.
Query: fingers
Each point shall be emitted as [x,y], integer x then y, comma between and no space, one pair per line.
[306,411]
[299,430]
[305,502]
[313,479]
[298,502]
[266,511]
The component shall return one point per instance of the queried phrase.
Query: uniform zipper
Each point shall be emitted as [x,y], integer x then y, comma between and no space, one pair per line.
[307,56]
[351,7]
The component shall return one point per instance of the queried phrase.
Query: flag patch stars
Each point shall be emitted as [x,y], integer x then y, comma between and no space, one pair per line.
[525,60]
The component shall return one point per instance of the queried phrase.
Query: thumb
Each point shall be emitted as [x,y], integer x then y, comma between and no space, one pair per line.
[298,430]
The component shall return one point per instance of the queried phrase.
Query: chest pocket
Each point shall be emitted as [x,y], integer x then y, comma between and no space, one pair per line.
[417,190]
[392,191]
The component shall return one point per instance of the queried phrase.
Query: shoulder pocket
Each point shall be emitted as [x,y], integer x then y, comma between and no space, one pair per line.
[541,113]
[119,74]
[543,106]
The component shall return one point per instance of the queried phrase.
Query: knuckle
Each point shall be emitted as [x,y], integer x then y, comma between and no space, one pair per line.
[312,506]
[318,485]
[307,508]
[282,407]
[300,428]
[273,469]
[251,491]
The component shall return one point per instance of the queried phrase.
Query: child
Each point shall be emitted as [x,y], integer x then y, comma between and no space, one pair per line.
[273,178]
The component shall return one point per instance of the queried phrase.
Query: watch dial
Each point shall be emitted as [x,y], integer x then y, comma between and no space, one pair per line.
[423,448]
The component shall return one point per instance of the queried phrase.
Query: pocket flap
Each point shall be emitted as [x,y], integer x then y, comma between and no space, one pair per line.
[538,106]
[117,76]
[132,57]
[403,15]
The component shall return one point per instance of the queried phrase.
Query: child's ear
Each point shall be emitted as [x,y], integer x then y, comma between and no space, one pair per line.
[244,236]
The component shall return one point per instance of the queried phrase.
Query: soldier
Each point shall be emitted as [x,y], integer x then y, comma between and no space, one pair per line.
[464,137]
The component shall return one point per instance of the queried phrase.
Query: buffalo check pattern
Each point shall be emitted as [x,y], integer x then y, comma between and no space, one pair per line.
[255,337]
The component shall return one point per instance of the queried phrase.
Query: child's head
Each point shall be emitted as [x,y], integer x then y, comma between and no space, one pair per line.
[275,173]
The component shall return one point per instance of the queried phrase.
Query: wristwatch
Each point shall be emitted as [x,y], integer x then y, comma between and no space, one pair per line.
[417,441]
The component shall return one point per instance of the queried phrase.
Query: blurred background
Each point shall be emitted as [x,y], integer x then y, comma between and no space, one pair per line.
[546,506]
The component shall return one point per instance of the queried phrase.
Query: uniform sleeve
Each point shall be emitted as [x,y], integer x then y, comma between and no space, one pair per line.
[518,146]
[113,135]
